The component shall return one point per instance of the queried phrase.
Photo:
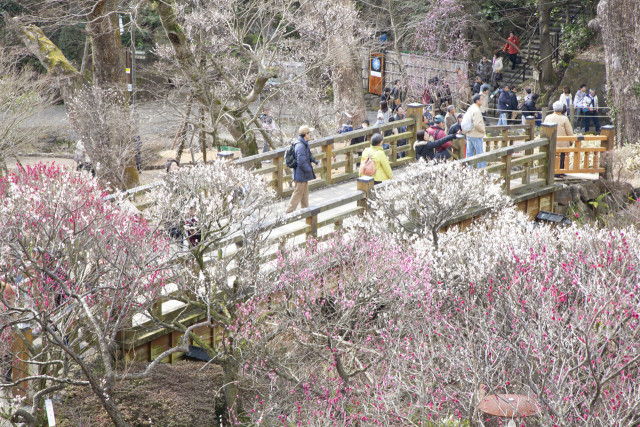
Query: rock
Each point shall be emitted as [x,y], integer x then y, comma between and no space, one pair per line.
[589,190]
[565,195]
[562,209]
[619,191]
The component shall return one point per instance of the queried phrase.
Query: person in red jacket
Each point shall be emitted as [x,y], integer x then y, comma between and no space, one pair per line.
[513,47]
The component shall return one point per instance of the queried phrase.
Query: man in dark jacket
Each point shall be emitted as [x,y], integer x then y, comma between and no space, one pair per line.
[513,105]
[484,69]
[303,173]
[504,105]
[457,128]
[477,85]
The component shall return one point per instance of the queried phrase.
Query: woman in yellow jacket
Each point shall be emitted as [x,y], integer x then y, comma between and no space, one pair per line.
[380,159]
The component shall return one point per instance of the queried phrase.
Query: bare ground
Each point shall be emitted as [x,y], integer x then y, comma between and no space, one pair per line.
[182,394]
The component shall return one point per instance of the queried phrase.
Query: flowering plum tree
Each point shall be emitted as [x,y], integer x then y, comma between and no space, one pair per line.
[225,214]
[366,330]
[108,134]
[78,268]
[339,336]
[426,196]
[551,314]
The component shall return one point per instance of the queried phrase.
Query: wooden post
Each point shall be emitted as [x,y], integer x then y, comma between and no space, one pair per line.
[576,155]
[278,174]
[348,168]
[531,122]
[156,309]
[312,222]
[326,162]
[203,137]
[545,111]
[507,173]
[414,111]
[365,184]
[20,350]
[609,132]
[550,131]
[461,141]
[505,138]
[393,158]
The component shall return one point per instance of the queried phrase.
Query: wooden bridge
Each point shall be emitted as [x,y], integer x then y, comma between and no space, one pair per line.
[526,164]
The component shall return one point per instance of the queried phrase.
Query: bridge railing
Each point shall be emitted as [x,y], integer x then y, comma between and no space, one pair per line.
[585,158]
[339,157]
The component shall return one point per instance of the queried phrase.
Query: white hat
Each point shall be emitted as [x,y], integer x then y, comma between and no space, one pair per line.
[304,129]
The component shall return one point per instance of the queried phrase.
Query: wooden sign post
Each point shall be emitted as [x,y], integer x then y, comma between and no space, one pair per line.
[376,73]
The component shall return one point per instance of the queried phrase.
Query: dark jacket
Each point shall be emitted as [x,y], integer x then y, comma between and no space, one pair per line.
[513,104]
[504,102]
[427,151]
[476,88]
[304,171]
[529,104]
[359,139]
[453,130]
[484,70]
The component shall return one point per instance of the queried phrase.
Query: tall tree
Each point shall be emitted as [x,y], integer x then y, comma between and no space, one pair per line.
[548,75]
[100,18]
[620,28]
[235,57]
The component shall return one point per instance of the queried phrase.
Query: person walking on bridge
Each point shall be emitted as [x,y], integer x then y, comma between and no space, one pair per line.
[303,172]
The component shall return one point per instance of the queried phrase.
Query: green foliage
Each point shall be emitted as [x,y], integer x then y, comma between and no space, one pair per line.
[70,40]
[576,36]
[147,27]
[10,7]
[636,89]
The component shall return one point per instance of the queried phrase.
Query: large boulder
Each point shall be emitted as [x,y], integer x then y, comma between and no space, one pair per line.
[589,190]
[620,192]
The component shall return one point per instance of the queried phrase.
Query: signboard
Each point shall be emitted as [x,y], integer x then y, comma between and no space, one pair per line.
[376,73]
[536,75]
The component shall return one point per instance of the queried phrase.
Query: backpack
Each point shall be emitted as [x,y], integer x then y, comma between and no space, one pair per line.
[467,122]
[290,156]
[368,167]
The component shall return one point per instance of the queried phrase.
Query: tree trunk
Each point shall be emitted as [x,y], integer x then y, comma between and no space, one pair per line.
[620,30]
[108,55]
[231,391]
[546,51]
[348,93]
[109,62]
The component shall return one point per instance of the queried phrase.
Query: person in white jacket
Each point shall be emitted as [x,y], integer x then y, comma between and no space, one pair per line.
[496,75]
[566,98]
[578,105]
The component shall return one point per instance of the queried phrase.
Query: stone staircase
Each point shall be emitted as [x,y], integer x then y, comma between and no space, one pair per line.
[530,44]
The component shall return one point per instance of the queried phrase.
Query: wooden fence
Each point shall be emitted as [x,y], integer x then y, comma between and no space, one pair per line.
[585,159]
[339,157]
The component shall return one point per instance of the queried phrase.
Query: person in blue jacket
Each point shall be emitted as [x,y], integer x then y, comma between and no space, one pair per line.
[504,105]
[303,173]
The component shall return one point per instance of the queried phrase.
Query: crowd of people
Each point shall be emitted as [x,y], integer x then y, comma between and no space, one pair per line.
[443,122]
